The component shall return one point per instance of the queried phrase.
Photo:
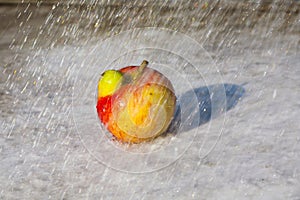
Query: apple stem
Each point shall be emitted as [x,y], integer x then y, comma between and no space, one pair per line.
[141,69]
[143,65]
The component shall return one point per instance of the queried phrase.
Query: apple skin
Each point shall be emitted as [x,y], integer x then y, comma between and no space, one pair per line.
[140,110]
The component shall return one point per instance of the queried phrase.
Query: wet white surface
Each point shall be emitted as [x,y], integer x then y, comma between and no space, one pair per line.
[43,151]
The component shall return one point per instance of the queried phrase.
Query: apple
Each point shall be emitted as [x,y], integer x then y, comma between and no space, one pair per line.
[135,103]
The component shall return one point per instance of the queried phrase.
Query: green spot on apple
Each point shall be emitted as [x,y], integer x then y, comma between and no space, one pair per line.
[109,82]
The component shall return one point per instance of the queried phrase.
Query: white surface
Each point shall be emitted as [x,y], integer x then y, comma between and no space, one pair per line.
[257,156]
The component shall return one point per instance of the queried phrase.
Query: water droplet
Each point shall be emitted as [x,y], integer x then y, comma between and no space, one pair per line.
[274,94]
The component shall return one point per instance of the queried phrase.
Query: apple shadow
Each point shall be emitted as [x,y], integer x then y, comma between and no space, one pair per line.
[206,105]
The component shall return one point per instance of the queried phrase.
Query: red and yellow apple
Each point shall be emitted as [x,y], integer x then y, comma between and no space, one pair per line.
[135,103]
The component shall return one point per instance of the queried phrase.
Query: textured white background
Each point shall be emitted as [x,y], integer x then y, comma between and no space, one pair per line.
[255,46]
